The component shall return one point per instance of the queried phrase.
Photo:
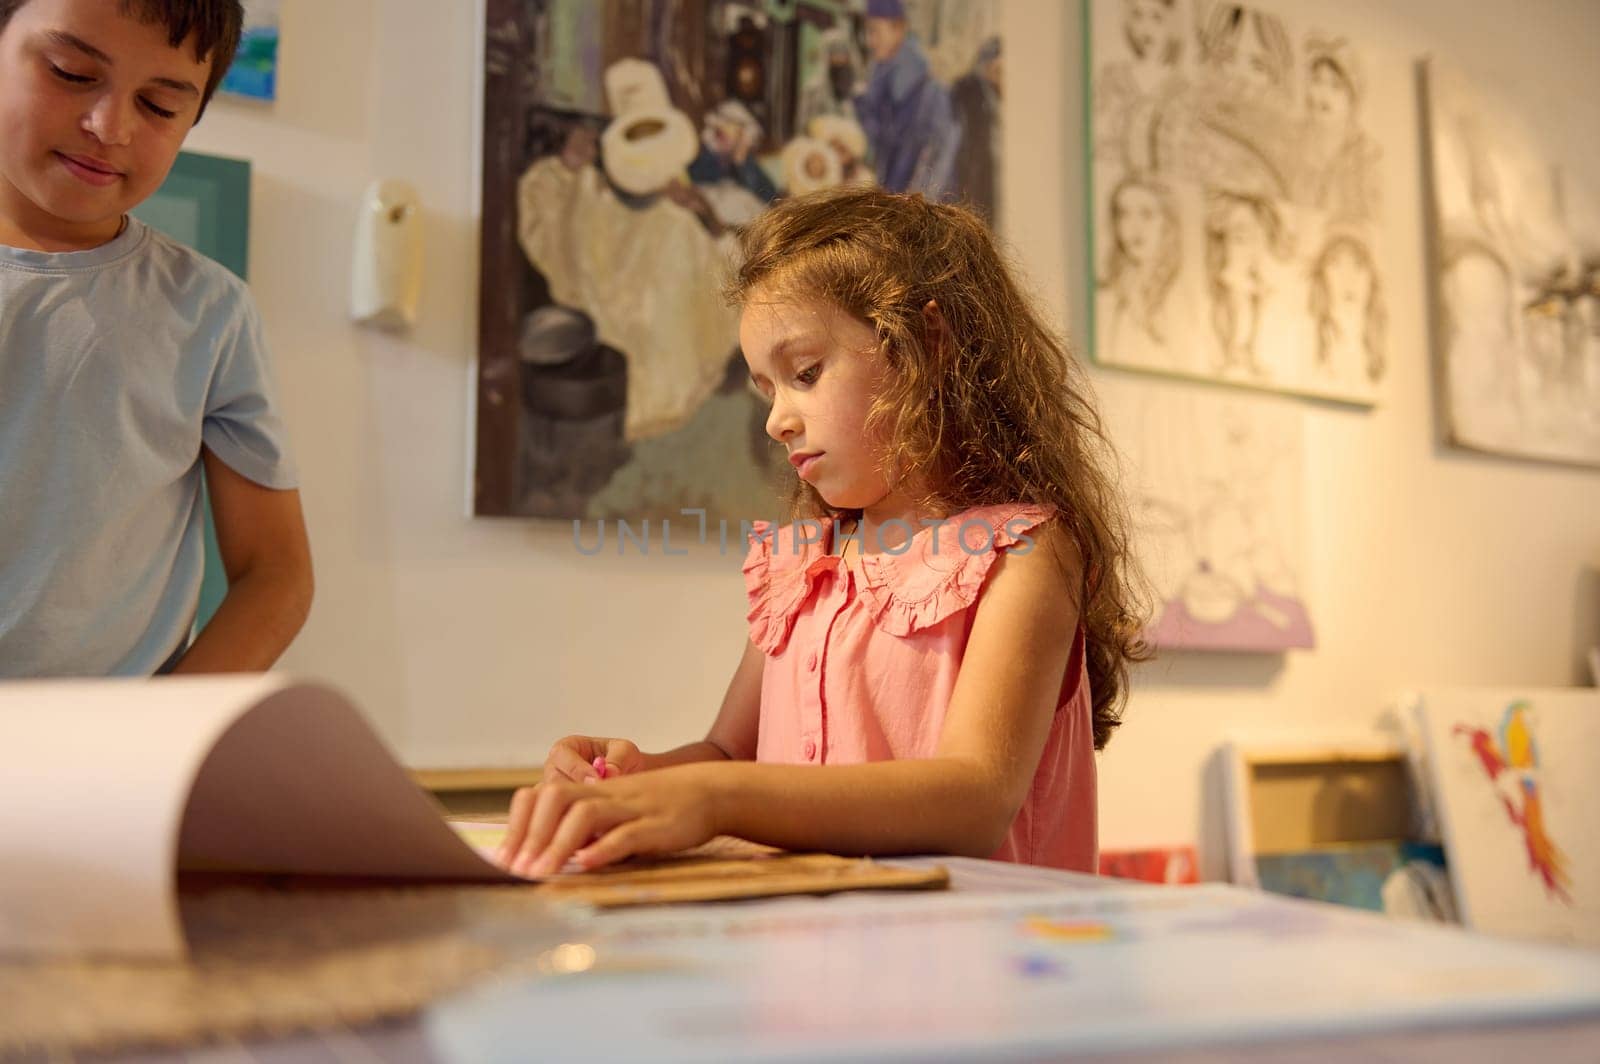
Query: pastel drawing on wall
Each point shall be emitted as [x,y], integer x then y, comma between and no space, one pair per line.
[1236,200]
[1518,281]
[1216,489]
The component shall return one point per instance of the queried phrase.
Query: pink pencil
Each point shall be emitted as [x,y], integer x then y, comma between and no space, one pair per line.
[600,766]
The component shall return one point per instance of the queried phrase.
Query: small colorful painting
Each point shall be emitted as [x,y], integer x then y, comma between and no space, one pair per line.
[254,73]
[1517,799]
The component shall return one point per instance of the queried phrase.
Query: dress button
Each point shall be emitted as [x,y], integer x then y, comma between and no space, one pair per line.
[810,749]
[811,661]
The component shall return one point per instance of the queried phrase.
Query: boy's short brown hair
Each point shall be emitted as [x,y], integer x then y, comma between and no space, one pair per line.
[216,25]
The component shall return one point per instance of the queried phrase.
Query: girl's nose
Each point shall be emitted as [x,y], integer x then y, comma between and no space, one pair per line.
[782,421]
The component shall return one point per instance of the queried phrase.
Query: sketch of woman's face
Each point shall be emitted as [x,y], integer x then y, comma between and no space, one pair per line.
[1251,65]
[1349,283]
[1244,241]
[1328,97]
[1139,223]
[1148,26]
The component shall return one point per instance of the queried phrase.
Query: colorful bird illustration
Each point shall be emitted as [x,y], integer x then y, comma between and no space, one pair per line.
[1516,756]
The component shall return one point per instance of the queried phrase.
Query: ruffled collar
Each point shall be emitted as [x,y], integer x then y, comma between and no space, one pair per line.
[939,571]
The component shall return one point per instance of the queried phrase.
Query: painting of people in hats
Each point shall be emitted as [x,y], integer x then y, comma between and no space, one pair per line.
[623,145]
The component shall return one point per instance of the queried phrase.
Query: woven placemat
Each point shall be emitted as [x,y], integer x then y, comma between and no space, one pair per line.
[271,957]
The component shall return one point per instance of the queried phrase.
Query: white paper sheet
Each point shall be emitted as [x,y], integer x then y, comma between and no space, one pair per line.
[108,787]
[1003,977]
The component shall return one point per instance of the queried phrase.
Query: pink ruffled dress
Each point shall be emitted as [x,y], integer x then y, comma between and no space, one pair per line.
[865,673]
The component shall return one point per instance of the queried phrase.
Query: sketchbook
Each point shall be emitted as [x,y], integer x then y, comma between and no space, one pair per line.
[110,788]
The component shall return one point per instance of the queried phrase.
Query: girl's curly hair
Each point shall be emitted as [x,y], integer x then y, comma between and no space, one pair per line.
[984,407]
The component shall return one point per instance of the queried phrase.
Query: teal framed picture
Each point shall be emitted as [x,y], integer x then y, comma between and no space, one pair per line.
[205,203]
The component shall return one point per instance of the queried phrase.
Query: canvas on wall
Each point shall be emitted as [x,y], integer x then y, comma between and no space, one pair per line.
[1517,272]
[254,73]
[1215,482]
[1514,787]
[622,145]
[1238,199]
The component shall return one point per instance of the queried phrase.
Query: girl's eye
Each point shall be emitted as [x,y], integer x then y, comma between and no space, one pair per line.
[69,77]
[160,112]
[810,374]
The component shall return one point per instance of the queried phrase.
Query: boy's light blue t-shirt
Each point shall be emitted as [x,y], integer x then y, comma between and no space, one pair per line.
[116,365]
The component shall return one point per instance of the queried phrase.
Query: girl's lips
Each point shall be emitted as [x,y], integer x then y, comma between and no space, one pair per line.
[805,464]
[88,173]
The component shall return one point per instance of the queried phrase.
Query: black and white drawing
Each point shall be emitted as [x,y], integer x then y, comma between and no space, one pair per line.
[1237,198]
[1518,282]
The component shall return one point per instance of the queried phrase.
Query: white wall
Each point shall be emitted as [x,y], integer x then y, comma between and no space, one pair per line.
[475,642]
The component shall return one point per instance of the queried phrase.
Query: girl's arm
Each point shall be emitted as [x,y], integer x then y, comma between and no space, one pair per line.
[733,734]
[732,737]
[960,801]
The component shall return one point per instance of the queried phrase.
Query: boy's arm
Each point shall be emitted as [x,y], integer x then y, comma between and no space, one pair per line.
[262,536]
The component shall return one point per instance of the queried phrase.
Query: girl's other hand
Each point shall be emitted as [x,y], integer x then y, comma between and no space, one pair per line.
[572,759]
[652,813]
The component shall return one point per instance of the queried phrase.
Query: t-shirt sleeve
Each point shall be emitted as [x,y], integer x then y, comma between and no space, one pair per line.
[243,426]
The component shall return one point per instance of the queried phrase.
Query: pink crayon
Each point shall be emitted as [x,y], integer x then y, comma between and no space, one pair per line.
[600,767]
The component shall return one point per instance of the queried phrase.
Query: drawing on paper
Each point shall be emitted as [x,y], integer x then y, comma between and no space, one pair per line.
[623,143]
[1235,199]
[1216,489]
[1510,760]
[1513,782]
[1517,270]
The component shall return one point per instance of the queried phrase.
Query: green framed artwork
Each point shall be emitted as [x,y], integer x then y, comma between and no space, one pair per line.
[205,203]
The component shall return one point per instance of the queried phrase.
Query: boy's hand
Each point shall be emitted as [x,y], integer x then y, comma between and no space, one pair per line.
[598,823]
[572,759]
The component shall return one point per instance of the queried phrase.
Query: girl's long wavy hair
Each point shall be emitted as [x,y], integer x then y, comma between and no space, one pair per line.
[983,407]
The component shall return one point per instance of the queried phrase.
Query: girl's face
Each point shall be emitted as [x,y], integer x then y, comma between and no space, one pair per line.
[1139,223]
[820,368]
[1251,65]
[1243,240]
[1148,25]
[1328,96]
[1349,282]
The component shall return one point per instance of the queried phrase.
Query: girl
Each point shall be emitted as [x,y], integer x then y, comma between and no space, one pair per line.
[938,648]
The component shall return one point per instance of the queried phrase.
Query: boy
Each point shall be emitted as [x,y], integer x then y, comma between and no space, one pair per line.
[127,363]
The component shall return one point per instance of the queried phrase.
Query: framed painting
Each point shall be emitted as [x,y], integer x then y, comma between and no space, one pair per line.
[254,73]
[623,145]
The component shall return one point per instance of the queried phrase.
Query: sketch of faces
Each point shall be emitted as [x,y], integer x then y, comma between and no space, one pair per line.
[1151,30]
[1481,342]
[1250,49]
[1244,234]
[1346,304]
[1145,251]
[1330,94]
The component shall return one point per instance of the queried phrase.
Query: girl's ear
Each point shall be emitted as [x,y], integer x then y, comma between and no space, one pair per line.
[935,330]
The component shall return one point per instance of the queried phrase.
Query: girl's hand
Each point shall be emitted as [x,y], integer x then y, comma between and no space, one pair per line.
[598,823]
[572,759]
